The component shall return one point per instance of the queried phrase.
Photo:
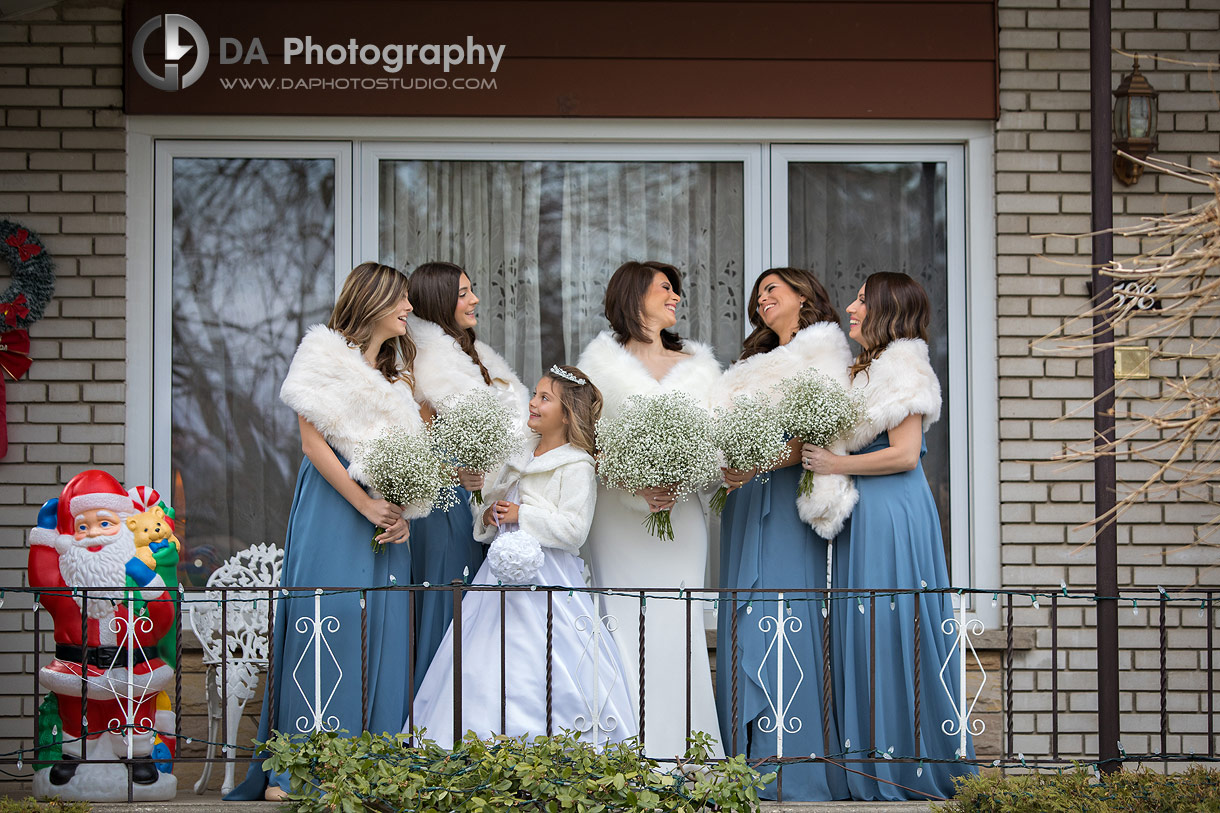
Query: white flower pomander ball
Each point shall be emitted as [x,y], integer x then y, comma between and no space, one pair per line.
[515,558]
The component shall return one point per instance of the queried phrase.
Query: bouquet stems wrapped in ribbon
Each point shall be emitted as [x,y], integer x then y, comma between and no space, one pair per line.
[818,411]
[475,431]
[750,434]
[404,466]
[660,441]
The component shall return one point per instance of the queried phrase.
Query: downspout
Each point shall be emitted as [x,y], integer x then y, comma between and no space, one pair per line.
[1106,546]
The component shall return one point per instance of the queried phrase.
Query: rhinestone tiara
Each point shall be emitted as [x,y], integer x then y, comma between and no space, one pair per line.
[564,374]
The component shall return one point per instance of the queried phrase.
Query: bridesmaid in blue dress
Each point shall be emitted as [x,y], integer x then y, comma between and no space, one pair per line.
[770,538]
[892,540]
[349,380]
[449,362]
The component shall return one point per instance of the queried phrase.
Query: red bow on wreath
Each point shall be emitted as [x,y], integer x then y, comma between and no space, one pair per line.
[10,312]
[15,353]
[24,250]
[14,360]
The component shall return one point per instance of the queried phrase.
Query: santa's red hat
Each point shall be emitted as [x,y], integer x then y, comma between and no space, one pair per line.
[90,490]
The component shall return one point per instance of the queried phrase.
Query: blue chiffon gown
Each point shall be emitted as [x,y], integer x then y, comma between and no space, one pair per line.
[764,543]
[327,545]
[893,540]
[442,547]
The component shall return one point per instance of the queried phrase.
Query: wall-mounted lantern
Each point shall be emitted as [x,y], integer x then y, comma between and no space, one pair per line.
[1134,124]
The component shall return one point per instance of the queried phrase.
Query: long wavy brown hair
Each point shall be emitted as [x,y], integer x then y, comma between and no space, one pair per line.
[434,293]
[897,309]
[624,301]
[815,308]
[371,292]
[582,406]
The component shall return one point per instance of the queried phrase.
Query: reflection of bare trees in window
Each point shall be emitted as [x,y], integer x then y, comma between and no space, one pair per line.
[253,248]
[847,220]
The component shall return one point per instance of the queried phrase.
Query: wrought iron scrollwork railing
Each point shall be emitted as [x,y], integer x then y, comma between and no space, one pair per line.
[962,676]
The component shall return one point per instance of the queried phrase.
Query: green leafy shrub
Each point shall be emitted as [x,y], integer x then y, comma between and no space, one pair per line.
[32,805]
[332,771]
[1143,791]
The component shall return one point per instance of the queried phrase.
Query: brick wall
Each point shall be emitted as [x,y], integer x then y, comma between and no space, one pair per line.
[1042,184]
[62,174]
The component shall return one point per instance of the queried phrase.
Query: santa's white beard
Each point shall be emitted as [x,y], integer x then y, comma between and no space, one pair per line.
[107,567]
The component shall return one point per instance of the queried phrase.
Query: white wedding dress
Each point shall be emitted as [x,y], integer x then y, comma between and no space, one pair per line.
[588,691]
[622,553]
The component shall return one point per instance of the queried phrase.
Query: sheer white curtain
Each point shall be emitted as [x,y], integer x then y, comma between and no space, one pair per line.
[485,218]
[540,240]
[687,214]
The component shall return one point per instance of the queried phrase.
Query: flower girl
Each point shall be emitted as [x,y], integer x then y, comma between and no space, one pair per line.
[539,508]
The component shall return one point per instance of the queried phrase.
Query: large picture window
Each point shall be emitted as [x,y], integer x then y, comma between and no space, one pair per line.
[250,240]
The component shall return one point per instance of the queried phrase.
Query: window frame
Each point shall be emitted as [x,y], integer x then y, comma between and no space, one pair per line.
[956,225]
[364,140]
[153,351]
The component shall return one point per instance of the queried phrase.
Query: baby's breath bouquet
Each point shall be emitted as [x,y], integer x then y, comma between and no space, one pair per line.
[750,434]
[817,410]
[660,441]
[475,431]
[405,468]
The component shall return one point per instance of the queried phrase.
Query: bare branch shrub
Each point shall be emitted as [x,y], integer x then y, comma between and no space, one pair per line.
[1168,432]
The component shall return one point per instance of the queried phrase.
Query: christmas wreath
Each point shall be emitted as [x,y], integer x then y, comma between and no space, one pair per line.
[21,305]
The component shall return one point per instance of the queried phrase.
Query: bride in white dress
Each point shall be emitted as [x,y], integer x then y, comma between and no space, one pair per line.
[643,356]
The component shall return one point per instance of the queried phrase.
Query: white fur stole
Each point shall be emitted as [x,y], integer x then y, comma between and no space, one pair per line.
[619,375]
[900,382]
[443,370]
[821,347]
[330,385]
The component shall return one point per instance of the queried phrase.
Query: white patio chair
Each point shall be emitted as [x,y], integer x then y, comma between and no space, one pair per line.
[245,645]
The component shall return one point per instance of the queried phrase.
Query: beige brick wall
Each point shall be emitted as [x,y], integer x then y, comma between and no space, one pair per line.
[62,174]
[1042,181]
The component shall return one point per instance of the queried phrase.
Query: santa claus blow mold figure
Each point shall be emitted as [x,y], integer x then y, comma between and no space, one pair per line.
[106,685]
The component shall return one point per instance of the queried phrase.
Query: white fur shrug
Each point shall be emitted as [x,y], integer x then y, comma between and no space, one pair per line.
[619,375]
[821,347]
[330,385]
[443,370]
[899,382]
[557,491]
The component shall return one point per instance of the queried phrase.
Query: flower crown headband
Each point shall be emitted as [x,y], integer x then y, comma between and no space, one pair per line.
[556,370]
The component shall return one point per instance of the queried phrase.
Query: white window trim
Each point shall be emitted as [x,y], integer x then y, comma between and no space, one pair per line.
[685,135]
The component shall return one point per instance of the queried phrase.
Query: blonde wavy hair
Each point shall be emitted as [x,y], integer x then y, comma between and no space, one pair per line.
[371,292]
[582,406]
